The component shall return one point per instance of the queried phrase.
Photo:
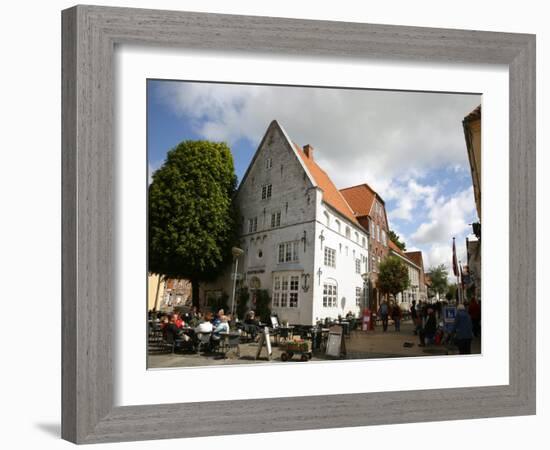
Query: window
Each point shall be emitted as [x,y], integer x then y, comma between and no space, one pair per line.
[384,238]
[330,295]
[330,257]
[337,226]
[372,230]
[327,219]
[363,242]
[276,219]
[285,291]
[358,296]
[378,232]
[356,237]
[288,252]
[266,191]
[268,163]
[293,294]
[348,232]
[357,265]
[253,225]
[373,264]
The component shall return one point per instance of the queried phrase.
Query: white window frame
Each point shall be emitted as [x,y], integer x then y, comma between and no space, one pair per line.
[288,252]
[358,265]
[266,191]
[330,257]
[276,219]
[358,296]
[330,295]
[286,291]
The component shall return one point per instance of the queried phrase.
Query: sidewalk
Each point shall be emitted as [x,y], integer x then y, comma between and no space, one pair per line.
[377,344]
[360,345]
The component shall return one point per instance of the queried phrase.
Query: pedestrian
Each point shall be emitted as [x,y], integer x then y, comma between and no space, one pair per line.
[414,318]
[383,312]
[475,314]
[462,329]
[427,333]
[396,316]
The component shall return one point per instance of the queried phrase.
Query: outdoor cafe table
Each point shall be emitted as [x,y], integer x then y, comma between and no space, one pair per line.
[225,336]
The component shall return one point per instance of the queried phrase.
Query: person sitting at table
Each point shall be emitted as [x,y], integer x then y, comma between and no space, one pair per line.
[218,317]
[222,327]
[251,324]
[205,326]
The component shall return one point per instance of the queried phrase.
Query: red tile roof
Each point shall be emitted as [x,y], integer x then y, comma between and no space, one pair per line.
[331,195]
[360,198]
[415,257]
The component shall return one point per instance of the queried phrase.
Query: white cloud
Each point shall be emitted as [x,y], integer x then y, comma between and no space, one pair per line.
[361,135]
[390,140]
[410,196]
[447,218]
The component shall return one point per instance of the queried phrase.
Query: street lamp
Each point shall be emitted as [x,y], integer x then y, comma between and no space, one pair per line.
[236,251]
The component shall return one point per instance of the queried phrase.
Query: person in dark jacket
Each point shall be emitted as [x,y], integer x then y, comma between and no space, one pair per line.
[396,316]
[383,312]
[474,310]
[427,333]
[463,331]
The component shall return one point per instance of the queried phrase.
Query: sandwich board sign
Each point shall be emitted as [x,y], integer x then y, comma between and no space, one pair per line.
[265,340]
[335,342]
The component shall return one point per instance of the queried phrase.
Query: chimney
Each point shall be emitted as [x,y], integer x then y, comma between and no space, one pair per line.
[308,150]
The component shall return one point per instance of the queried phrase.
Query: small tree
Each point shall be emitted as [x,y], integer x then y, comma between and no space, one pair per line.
[394,237]
[452,291]
[263,311]
[193,222]
[393,276]
[438,275]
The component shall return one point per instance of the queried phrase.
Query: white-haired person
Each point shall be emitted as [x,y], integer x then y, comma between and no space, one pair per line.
[462,329]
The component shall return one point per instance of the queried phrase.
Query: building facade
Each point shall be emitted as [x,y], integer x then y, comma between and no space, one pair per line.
[302,241]
[370,211]
[417,289]
[472,135]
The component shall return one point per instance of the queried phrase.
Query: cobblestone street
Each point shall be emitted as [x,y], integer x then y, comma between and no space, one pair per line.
[360,345]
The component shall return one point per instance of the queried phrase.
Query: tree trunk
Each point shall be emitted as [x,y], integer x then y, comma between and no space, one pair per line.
[195,292]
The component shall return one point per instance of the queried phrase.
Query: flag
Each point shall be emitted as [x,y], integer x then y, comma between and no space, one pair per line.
[455,262]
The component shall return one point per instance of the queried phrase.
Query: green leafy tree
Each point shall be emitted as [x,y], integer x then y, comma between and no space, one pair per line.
[263,311]
[394,237]
[393,276]
[438,275]
[193,222]
[451,292]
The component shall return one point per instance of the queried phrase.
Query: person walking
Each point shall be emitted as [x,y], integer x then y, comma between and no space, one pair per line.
[463,331]
[427,333]
[396,316]
[414,318]
[475,314]
[383,312]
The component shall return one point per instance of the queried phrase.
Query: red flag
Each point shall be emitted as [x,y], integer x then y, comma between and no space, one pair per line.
[455,262]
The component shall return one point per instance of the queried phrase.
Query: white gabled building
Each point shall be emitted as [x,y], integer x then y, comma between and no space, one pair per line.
[301,239]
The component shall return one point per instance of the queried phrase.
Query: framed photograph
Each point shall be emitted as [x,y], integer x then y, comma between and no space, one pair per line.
[247,202]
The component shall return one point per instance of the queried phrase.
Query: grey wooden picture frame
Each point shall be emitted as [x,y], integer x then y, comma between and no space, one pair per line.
[90,34]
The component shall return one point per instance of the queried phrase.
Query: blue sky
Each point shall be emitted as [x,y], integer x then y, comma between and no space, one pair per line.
[408,146]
